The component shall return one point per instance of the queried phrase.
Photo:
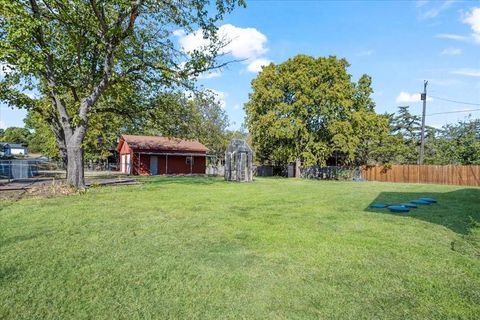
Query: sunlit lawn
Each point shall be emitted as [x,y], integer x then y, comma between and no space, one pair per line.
[202,248]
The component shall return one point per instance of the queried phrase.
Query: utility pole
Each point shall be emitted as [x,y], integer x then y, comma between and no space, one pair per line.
[422,135]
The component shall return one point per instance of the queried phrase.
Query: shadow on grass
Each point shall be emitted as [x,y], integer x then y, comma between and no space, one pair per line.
[25,237]
[185,180]
[7,274]
[457,210]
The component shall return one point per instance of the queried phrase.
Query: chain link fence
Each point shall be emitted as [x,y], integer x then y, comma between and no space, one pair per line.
[332,173]
[25,169]
[18,169]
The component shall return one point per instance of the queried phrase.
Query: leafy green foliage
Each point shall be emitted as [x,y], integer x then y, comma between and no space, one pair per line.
[16,135]
[42,139]
[196,116]
[407,127]
[99,142]
[310,109]
[77,53]
[454,143]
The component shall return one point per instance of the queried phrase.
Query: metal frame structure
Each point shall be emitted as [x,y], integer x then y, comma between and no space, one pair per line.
[238,162]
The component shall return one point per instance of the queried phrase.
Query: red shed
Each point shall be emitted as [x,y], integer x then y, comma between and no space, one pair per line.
[149,155]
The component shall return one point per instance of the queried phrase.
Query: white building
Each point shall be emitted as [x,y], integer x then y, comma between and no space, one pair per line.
[12,149]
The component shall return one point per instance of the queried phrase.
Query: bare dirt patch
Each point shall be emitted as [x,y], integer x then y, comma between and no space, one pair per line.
[47,188]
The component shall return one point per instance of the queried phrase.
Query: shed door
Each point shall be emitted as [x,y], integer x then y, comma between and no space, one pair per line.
[128,165]
[123,164]
[153,165]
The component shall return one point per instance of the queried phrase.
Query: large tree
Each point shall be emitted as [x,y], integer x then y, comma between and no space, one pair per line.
[308,110]
[77,53]
[103,131]
[16,135]
[457,143]
[407,127]
[196,115]
[199,116]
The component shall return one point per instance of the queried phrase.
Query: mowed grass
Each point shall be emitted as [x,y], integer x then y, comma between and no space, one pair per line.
[202,248]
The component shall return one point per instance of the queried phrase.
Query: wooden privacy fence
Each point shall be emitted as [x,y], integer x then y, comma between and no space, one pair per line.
[451,174]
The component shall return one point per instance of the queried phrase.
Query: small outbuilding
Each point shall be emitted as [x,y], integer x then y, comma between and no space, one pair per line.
[12,149]
[239,161]
[152,155]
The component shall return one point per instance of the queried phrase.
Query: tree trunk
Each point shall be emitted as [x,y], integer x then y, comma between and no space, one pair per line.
[298,164]
[64,157]
[75,174]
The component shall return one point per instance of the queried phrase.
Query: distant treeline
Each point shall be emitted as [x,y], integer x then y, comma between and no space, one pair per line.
[310,111]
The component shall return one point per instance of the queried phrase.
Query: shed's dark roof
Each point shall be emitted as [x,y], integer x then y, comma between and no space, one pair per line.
[163,143]
[12,145]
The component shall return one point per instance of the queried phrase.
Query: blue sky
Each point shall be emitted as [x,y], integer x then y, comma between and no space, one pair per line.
[399,44]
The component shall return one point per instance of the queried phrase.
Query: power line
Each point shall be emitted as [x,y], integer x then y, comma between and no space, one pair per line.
[422,134]
[459,102]
[458,111]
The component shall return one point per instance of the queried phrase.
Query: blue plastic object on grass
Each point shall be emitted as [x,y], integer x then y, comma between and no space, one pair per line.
[398,209]
[420,201]
[378,205]
[409,205]
[431,200]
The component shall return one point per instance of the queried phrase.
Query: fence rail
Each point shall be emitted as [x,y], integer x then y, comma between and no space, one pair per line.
[18,169]
[450,174]
[331,173]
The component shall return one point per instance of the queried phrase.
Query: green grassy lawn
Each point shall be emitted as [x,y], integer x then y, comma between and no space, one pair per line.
[203,248]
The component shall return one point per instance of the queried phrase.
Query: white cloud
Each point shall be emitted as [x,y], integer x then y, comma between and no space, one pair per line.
[31,94]
[257,64]
[220,97]
[469,72]
[236,107]
[455,37]
[473,19]
[5,68]
[3,125]
[451,51]
[435,11]
[366,53]
[210,74]
[242,43]
[179,33]
[409,97]
[206,75]
[421,3]
[247,44]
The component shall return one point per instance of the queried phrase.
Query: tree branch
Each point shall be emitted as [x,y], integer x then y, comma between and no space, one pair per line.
[100,18]
[117,111]
[111,45]
[49,71]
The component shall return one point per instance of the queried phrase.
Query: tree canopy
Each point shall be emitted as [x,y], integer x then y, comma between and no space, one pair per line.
[178,114]
[309,110]
[80,55]
[456,143]
[16,135]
